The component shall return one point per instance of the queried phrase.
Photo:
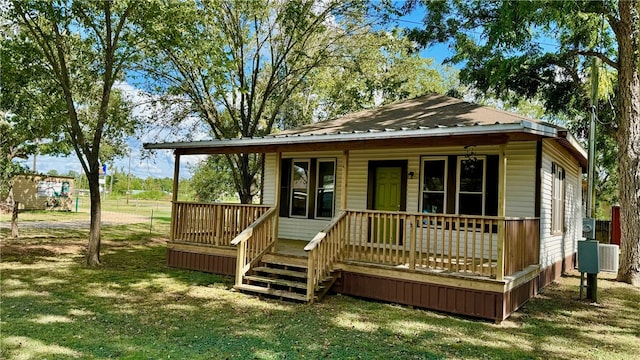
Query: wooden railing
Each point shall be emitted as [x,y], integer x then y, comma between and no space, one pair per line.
[212,223]
[457,243]
[488,246]
[253,242]
[323,252]
[522,244]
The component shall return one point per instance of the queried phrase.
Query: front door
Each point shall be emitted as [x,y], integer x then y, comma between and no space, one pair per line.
[388,185]
[387,196]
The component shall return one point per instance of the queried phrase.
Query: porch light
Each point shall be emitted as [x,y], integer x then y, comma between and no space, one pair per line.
[410,174]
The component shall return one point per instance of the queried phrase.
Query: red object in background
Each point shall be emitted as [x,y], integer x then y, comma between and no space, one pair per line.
[615,225]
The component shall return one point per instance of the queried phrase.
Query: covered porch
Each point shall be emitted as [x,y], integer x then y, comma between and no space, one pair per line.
[366,253]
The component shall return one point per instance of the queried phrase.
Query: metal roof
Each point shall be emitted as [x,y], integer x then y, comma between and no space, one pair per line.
[430,116]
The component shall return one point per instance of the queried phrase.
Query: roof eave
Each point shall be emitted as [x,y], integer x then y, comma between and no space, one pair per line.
[572,145]
[285,140]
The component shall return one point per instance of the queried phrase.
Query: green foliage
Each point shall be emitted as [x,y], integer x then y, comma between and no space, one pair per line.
[236,65]
[384,67]
[538,51]
[523,49]
[153,195]
[85,48]
[79,50]
[211,179]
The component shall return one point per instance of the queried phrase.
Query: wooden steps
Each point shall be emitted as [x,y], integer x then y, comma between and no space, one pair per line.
[276,281]
[272,292]
[283,272]
[282,277]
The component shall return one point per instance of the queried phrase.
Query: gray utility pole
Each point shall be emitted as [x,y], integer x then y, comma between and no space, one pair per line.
[592,136]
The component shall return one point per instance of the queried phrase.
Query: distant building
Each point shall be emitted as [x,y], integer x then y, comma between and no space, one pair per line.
[42,192]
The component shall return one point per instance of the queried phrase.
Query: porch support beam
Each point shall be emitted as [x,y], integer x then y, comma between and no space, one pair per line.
[174,196]
[502,204]
[344,180]
[278,185]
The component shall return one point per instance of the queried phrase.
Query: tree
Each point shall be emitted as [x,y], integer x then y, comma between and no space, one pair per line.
[86,47]
[501,45]
[235,64]
[29,119]
[384,67]
[211,179]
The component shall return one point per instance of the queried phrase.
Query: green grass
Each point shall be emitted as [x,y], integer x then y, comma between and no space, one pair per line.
[135,307]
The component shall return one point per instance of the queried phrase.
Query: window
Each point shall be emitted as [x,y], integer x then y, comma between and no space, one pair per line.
[459,185]
[299,188]
[308,188]
[325,188]
[557,199]
[434,185]
[471,185]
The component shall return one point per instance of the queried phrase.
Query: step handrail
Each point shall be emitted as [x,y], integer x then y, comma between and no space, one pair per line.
[253,242]
[324,250]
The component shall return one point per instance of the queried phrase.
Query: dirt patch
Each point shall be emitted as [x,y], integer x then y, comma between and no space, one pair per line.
[66,248]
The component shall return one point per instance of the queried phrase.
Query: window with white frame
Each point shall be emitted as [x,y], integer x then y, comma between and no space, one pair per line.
[470,198]
[434,185]
[557,199]
[300,188]
[325,188]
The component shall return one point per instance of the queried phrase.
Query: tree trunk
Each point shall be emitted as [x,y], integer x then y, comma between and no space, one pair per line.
[629,142]
[247,180]
[93,248]
[14,214]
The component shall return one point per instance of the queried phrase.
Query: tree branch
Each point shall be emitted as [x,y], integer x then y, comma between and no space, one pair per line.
[599,55]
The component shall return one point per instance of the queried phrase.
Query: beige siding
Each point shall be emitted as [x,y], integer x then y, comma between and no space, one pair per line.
[521,179]
[359,167]
[520,174]
[300,229]
[270,176]
[554,248]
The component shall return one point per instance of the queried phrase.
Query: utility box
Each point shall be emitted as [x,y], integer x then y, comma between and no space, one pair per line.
[589,228]
[588,256]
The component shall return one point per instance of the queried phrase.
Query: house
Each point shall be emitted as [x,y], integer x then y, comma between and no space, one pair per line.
[43,192]
[432,202]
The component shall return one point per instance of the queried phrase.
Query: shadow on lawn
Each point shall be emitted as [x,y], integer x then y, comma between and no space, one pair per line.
[134,306]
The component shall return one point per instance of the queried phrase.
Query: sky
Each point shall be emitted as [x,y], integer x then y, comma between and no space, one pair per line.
[161,164]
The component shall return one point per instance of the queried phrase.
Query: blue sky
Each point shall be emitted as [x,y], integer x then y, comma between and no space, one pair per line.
[161,163]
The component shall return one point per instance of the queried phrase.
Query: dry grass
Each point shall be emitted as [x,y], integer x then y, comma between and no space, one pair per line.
[134,307]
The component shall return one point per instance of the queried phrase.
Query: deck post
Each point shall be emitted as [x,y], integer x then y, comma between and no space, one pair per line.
[174,197]
[311,274]
[276,220]
[412,245]
[502,183]
[240,261]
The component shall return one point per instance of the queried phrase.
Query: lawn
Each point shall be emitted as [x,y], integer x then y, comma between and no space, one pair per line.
[135,307]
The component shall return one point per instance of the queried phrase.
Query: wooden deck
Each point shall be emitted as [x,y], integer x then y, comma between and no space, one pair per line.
[484,266]
[291,247]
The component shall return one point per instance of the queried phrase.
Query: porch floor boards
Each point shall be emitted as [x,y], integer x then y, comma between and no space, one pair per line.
[291,247]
